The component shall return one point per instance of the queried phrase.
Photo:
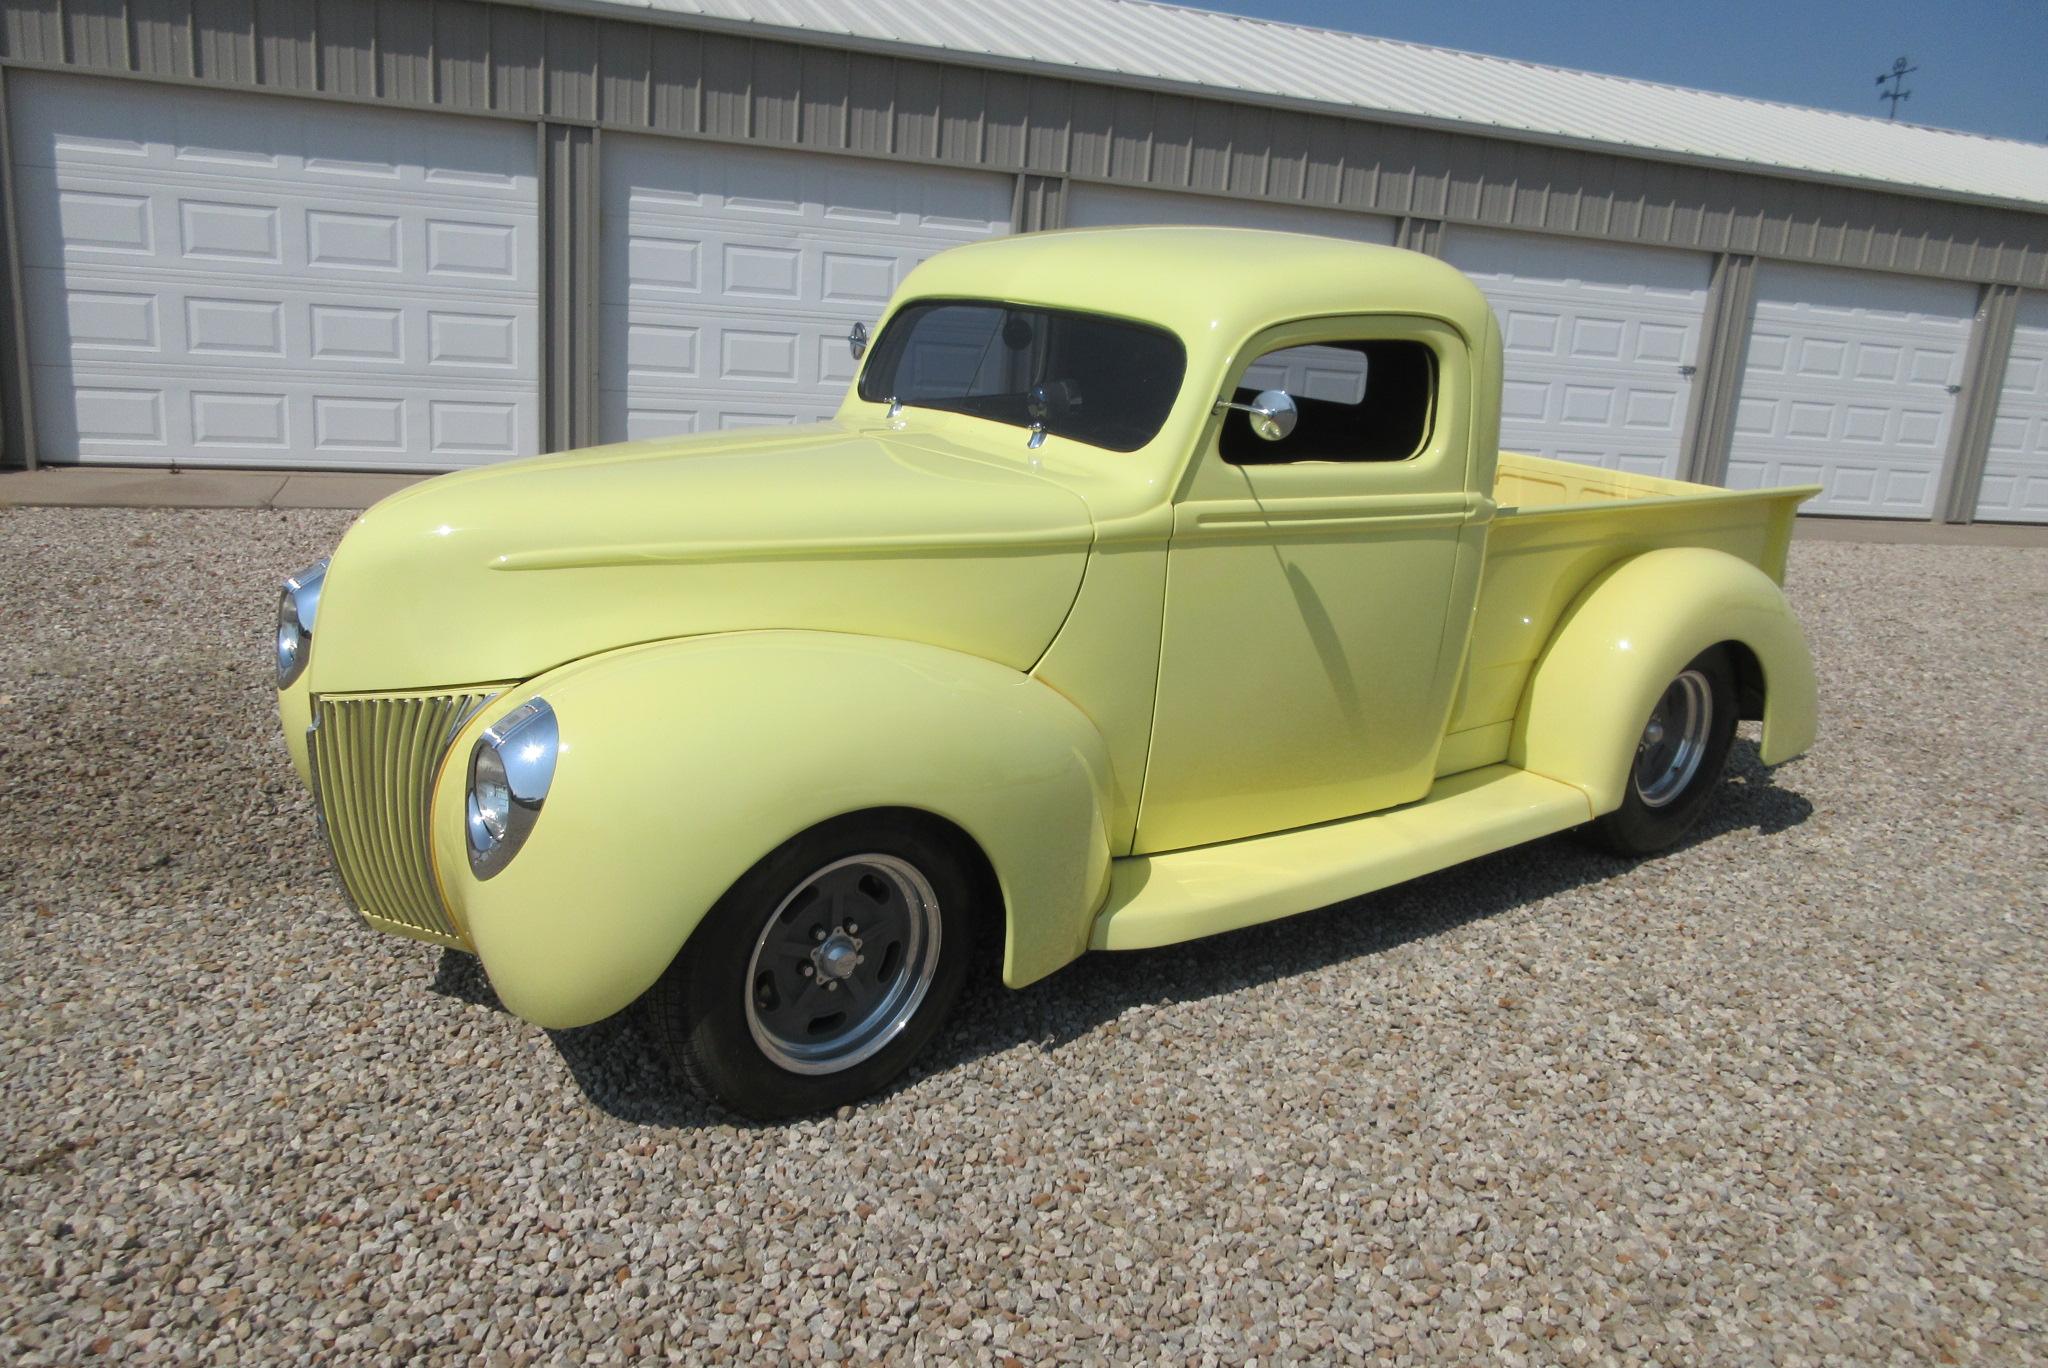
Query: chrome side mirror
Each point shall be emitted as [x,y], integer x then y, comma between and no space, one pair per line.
[1273,414]
[857,340]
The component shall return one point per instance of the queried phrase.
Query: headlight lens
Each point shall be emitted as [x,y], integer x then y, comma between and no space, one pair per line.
[296,607]
[510,769]
[490,798]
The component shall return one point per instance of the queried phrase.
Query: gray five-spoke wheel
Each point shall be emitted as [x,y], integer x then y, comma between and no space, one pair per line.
[843,963]
[1675,741]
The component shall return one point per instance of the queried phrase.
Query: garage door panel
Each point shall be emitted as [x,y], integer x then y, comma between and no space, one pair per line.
[1857,302]
[1527,401]
[710,259]
[183,324]
[1847,385]
[287,235]
[1105,206]
[257,281]
[102,410]
[1652,411]
[1670,344]
[275,420]
[206,134]
[801,363]
[278,230]
[640,417]
[2026,371]
[724,187]
[731,277]
[1596,268]
[2015,487]
[1595,339]
[755,270]
[1539,333]
[866,279]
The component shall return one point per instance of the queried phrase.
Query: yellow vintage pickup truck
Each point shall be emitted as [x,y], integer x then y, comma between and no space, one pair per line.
[1149,583]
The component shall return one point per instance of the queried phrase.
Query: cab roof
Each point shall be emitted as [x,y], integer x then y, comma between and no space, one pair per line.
[1203,282]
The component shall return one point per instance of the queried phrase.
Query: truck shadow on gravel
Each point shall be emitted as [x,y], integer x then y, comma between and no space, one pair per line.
[617,1067]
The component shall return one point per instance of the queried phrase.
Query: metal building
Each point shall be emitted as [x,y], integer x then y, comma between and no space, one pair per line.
[417,234]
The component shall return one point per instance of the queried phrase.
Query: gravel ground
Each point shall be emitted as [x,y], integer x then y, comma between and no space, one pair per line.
[1776,1096]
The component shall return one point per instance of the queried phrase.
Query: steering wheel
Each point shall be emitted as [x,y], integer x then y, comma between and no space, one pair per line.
[1052,399]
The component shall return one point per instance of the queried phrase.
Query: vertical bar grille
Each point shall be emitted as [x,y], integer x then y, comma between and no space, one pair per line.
[374,764]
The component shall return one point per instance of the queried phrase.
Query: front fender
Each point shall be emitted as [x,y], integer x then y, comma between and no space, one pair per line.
[684,762]
[1629,634]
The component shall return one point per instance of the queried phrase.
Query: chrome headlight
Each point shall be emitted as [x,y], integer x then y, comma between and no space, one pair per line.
[296,606]
[510,769]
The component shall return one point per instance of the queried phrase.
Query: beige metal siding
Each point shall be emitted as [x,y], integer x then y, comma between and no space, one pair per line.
[1287,67]
[631,74]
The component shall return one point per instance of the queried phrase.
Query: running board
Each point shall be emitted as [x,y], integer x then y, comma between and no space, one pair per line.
[1186,894]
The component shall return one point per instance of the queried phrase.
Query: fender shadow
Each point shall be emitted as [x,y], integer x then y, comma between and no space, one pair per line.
[617,1067]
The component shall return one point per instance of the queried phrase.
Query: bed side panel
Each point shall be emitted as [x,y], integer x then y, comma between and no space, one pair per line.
[1538,562]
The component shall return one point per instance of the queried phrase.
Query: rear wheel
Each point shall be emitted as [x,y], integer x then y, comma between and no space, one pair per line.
[1679,758]
[823,972]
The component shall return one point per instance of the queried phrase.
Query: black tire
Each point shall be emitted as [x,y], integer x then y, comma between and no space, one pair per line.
[1661,803]
[738,1023]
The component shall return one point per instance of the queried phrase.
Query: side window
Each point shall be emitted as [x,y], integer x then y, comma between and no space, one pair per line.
[1359,401]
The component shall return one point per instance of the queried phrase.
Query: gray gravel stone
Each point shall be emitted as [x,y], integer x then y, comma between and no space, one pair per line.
[1775,1096]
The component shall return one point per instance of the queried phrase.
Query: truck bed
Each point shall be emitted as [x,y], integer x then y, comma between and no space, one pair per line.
[1558,525]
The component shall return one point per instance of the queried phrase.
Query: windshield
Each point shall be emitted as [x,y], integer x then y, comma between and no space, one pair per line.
[1098,380]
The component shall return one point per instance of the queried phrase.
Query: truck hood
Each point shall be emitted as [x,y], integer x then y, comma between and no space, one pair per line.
[502,573]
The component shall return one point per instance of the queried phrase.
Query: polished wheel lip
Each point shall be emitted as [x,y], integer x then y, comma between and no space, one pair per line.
[1674,741]
[906,992]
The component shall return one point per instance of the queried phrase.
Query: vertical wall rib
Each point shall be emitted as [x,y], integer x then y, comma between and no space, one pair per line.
[1041,203]
[1425,235]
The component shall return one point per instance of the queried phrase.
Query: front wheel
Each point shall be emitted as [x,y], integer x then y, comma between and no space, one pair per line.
[1679,758]
[823,972]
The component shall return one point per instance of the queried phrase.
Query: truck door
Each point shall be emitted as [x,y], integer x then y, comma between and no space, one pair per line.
[1319,587]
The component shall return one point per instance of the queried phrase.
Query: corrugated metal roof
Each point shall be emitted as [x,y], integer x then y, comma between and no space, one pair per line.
[1154,44]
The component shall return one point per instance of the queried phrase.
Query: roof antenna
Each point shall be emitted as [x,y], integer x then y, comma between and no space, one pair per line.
[1897,76]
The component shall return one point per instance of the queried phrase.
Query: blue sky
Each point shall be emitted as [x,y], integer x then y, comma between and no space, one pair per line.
[1983,63]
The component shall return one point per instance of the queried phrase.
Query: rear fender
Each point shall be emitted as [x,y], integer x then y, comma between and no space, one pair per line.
[684,762]
[1629,634]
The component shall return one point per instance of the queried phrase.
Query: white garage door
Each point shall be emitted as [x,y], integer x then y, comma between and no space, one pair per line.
[1109,206]
[1849,385]
[226,279]
[731,276]
[2015,485]
[1600,341]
